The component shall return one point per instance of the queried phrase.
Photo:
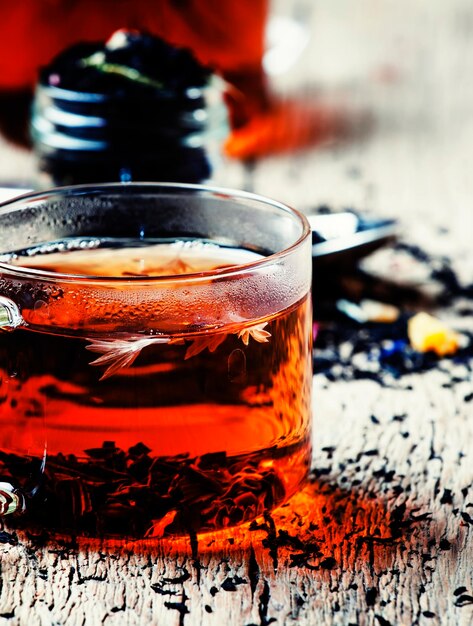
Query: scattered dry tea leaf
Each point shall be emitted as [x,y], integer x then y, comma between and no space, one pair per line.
[380,312]
[369,311]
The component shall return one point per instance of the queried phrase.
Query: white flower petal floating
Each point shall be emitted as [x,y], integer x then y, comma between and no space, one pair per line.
[256,332]
[119,354]
[209,342]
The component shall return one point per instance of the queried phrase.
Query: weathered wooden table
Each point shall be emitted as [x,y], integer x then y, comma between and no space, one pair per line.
[383,532]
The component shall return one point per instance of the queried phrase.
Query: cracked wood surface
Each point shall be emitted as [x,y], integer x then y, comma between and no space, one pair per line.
[383,532]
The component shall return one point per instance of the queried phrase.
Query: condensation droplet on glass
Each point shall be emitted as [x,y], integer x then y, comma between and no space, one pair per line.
[237,366]
[10,316]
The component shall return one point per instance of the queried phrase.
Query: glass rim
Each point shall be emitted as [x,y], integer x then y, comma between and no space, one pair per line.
[223,192]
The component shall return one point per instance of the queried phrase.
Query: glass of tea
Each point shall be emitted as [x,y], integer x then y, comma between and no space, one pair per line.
[155,358]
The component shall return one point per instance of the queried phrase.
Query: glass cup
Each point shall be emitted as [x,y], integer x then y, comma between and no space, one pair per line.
[155,358]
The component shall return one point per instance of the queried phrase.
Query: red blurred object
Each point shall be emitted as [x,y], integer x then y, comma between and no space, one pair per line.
[285,125]
[228,36]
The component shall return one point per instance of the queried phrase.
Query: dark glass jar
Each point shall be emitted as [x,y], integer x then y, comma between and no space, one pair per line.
[132,109]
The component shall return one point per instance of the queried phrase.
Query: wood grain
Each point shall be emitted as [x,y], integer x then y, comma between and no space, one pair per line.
[383,533]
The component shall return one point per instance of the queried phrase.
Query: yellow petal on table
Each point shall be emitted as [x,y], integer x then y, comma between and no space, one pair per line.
[427,333]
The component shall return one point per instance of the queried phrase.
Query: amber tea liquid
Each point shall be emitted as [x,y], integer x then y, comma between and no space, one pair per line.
[172,429]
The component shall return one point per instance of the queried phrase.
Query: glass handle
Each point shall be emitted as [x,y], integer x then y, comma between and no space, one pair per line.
[10,316]
[11,499]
